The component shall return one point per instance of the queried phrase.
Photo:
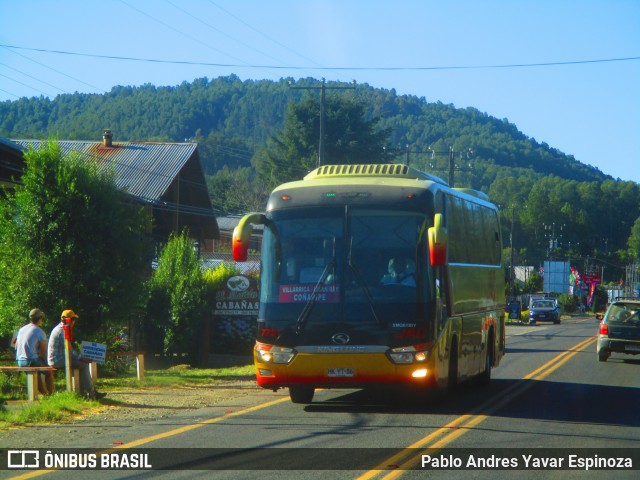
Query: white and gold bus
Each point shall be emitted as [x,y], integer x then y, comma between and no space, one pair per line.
[376,276]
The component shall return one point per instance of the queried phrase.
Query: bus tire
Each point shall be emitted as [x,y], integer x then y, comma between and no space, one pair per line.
[301,393]
[485,376]
[452,376]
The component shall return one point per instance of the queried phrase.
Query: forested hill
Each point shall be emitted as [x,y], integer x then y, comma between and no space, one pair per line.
[230,118]
[535,184]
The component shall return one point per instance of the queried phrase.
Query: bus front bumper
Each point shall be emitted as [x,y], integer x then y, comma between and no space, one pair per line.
[342,371]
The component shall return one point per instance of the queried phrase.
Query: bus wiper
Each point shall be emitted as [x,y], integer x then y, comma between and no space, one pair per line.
[362,283]
[304,315]
[307,308]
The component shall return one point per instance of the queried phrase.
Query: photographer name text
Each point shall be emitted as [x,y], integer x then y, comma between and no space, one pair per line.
[526,462]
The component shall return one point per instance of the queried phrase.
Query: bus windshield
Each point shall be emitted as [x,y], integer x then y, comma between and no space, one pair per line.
[361,267]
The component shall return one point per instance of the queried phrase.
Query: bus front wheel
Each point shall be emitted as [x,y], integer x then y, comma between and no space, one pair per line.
[301,393]
[485,376]
[452,379]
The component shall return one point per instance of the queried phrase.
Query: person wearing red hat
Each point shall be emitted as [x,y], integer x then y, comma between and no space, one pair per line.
[56,351]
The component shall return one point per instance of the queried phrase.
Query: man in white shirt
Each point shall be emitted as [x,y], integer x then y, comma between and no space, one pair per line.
[31,348]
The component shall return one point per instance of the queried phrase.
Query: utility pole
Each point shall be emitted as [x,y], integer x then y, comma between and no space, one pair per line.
[550,233]
[513,268]
[451,160]
[323,87]
[451,166]
[322,120]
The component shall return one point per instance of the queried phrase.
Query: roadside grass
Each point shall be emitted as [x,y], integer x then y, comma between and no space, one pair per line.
[56,408]
[62,406]
[180,375]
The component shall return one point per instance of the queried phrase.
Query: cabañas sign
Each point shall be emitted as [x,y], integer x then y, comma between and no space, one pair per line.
[238,297]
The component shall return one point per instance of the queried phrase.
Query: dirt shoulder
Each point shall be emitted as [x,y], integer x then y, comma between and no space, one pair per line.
[140,404]
[130,407]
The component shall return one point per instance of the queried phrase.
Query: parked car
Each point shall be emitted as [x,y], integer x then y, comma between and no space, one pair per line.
[544,311]
[514,310]
[619,330]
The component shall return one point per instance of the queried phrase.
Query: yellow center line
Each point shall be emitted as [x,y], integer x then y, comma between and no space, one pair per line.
[193,426]
[553,364]
[467,422]
[419,444]
[170,433]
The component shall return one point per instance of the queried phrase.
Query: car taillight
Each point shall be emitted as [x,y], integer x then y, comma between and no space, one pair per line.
[604,329]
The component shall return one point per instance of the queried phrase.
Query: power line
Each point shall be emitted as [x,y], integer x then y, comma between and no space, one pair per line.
[220,31]
[284,67]
[264,34]
[32,77]
[170,27]
[25,85]
[323,87]
[9,93]
[51,68]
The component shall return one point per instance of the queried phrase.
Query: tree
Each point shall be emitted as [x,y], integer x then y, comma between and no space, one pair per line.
[634,241]
[70,239]
[534,282]
[177,299]
[349,137]
[237,191]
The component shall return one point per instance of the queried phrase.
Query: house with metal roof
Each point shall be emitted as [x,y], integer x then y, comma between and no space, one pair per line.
[11,163]
[165,177]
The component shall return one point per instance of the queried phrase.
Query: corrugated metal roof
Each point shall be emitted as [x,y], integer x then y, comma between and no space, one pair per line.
[10,145]
[144,170]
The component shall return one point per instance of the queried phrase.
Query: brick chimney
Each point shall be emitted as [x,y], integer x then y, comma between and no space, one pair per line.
[106,137]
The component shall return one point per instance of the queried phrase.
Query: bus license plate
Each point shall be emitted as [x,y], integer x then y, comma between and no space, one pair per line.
[340,372]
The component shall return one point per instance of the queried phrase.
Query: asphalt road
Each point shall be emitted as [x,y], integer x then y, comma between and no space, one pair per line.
[549,400]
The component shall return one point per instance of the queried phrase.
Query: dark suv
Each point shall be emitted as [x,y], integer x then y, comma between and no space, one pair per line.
[619,329]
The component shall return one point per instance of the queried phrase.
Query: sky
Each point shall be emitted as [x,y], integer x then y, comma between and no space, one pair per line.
[565,72]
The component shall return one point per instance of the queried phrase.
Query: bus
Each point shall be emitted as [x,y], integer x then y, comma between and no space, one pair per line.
[376,276]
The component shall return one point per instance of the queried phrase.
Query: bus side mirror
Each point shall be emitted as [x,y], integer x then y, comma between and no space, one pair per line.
[242,235]
[437,242]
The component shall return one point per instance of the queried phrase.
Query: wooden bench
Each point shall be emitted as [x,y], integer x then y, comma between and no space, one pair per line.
[139,364]
[32,377]
[32,372]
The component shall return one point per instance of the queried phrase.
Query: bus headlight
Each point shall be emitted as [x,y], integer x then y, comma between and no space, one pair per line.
[421,356]
[401,357]
[274,354]
[406,355]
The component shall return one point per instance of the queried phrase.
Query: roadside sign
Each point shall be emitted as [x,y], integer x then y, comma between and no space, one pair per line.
[96,352]
[238,297]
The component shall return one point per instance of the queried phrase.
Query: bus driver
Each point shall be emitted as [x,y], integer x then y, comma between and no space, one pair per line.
[401,272]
